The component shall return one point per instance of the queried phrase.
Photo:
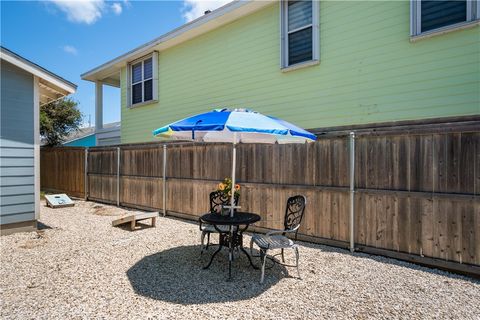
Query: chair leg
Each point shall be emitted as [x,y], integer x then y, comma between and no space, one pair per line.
[202,240]
[263,257]
[208,240]
[296,258]
[283,256]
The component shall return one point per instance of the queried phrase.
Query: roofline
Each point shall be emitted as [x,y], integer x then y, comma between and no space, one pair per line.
[79,138]
[37,70]
[227,8]
[116,126]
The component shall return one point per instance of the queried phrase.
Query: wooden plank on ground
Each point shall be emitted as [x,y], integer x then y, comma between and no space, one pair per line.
[134,217]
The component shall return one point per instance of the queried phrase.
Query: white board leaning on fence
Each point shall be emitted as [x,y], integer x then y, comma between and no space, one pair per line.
[59,200]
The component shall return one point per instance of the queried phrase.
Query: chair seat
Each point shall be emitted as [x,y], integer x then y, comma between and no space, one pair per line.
[272,242]
[211,228]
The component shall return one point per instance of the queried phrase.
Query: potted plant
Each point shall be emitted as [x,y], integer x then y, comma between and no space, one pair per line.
[225,187]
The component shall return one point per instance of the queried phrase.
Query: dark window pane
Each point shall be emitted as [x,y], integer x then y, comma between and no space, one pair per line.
[299,14]
[147,69]
[137,93]
[441,13]
[300,46]
[147,90]
[137,72]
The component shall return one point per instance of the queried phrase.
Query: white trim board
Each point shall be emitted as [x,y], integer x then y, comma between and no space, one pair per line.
[36,147]
[37,71]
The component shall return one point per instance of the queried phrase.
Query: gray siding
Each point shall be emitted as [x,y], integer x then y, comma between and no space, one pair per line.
[108,136]
[17,199]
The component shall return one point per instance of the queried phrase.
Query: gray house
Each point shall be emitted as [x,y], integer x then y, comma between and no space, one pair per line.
[24,86]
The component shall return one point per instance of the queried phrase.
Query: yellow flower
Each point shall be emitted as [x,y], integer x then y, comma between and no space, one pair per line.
[221,186]
[237,187]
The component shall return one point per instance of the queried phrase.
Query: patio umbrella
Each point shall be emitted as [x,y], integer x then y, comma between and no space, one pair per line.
[235,126]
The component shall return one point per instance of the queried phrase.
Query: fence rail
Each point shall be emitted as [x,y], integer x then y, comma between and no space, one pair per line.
[416,195]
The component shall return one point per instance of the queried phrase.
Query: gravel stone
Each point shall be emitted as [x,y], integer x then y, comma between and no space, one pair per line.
[80,267]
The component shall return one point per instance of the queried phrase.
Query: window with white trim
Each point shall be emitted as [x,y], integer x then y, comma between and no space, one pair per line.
[143,80]
[299,25]
[439,15]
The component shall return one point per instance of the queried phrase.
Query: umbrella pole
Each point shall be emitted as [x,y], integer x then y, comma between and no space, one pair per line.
[234,163]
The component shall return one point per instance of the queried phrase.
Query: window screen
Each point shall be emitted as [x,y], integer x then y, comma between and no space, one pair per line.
[438,13]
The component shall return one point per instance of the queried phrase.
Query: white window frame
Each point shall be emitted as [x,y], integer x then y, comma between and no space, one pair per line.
[473,19]
[154,78]
[284,36]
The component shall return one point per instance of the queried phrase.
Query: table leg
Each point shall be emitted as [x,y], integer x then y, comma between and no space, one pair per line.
[213,256]
[230,253]
[244,251]
[249,258]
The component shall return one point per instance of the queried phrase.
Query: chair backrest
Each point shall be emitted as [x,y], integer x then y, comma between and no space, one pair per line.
[219,199]
[294,212]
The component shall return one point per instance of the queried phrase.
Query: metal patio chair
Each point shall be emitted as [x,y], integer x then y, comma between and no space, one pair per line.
[276,239]
[218,200]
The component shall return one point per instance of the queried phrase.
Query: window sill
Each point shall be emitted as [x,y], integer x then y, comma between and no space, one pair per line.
[300,65]
[142,104]
[444,30]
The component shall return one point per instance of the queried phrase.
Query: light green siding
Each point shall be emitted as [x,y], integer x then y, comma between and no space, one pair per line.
[369,72]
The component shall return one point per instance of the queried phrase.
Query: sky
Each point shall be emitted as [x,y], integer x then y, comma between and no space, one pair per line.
[70,37]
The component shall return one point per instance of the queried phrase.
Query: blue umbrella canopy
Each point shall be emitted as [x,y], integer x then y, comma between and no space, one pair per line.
[239,125]
[234,126]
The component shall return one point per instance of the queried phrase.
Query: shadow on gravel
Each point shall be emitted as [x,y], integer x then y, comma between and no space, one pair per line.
[42,226]
[176,275]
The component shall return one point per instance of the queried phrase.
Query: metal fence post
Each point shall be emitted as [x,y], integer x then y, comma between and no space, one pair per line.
[352,191]
[85,177]
[118,176]
[164,180]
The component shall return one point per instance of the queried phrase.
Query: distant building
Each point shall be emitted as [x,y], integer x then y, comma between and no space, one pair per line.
[25,86]
[87,137]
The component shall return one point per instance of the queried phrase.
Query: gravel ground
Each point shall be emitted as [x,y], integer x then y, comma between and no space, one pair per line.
[79,266]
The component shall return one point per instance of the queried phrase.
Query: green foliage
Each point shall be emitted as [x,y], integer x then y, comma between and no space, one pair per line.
[58,119]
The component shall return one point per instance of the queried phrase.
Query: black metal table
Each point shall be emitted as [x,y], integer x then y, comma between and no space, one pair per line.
[233,237]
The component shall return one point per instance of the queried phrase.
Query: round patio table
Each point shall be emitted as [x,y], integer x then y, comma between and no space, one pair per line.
[232,237]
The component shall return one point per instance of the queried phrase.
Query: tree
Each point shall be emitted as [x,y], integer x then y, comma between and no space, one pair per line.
[58,119]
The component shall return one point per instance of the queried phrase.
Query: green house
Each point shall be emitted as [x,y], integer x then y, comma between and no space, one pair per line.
[317,64]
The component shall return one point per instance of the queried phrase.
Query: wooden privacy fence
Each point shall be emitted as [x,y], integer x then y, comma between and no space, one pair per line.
[63,170]
[416,196]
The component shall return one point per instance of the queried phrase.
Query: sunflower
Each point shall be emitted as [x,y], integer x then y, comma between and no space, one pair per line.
[221,186]
[237,187]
